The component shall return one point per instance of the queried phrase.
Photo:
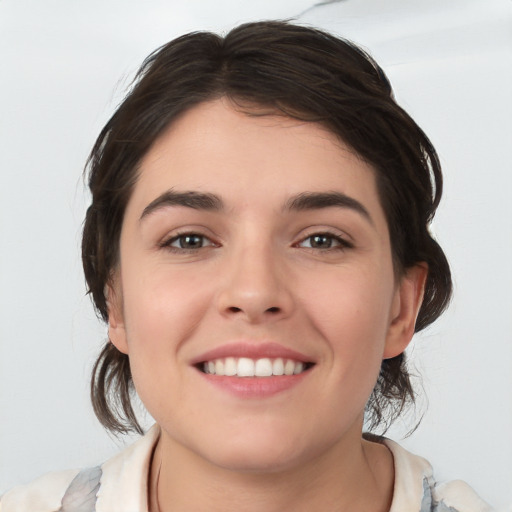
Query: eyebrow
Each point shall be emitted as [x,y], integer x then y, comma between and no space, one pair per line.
[191,199]
[300,202]
[319,200]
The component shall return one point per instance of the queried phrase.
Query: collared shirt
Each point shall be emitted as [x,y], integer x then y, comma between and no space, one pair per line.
[120,485]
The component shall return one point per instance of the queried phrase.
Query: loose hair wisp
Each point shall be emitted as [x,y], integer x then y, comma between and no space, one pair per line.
[275,68]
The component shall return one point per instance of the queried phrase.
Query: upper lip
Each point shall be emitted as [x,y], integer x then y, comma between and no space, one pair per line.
[260,350]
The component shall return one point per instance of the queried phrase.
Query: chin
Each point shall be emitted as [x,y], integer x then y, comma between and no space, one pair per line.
[255,461]
[263,451]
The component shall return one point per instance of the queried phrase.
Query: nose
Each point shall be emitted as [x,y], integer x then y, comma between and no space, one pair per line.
[255,286]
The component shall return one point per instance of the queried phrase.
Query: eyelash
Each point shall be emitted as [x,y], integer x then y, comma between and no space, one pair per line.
[340,243]
[167,244]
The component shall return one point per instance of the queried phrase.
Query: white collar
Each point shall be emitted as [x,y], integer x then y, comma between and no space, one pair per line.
[411,474]
[124,480]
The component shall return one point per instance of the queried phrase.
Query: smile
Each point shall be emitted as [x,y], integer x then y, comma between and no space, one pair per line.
[247,367]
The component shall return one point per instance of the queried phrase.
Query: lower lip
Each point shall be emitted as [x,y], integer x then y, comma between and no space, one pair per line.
[255,387]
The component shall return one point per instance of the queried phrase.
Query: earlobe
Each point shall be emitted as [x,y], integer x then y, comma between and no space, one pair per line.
[406,305]
[116,328]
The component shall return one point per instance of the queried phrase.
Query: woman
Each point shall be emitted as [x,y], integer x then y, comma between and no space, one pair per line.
[258,244]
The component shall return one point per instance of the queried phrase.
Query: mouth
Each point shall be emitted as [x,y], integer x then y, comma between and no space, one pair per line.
[254,370]
[248,367]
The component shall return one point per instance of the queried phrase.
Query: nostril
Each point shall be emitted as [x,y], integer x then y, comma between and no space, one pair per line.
[273,309]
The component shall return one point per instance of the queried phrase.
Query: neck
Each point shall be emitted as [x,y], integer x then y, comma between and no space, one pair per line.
[355,475]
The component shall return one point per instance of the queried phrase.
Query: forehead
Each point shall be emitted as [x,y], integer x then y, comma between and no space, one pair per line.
[251,158]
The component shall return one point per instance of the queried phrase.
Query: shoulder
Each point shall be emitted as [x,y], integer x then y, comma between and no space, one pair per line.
[416,488]
[118,485]
[42,495]
[457,496]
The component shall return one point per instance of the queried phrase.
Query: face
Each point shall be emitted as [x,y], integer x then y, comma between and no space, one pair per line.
[255,293]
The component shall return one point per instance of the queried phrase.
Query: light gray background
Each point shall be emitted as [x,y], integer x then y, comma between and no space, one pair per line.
[64,66]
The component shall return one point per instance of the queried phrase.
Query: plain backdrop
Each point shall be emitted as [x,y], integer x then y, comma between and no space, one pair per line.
[65,65]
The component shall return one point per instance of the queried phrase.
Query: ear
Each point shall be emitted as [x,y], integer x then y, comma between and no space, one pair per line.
[404,311]
[116,327]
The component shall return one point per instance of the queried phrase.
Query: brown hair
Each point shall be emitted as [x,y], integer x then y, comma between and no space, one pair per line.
[300,72]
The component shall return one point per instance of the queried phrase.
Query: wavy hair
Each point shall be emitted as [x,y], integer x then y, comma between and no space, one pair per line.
[299,72]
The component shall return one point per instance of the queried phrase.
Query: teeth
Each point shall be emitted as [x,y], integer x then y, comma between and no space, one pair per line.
[299,368]
[263,368]
[219,367]
[246,367]
[289,367]
[230,366]
[278,367]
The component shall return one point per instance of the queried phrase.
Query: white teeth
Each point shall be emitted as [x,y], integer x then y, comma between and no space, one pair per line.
[263,368]
[230,366]
[278,367]
[219,367]
[246,367]
[299,368]
[289,367]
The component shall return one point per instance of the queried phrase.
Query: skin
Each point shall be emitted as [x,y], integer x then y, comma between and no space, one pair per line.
[257,275]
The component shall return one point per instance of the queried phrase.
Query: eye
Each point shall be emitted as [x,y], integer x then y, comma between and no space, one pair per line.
[188,241]
[324,241]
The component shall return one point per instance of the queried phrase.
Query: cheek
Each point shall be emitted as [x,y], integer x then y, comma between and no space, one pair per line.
[162,309]
[162,306]
[353,313]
